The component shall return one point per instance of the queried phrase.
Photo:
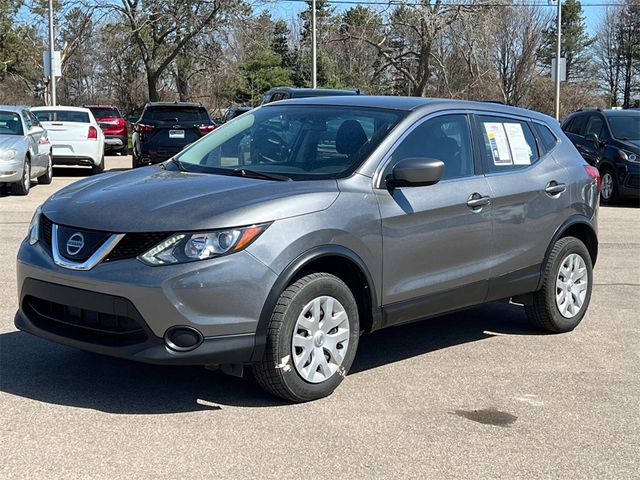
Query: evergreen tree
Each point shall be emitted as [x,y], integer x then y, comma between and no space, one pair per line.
[574,42]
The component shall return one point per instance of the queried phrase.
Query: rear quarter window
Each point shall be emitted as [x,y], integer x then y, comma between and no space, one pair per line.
[547,138]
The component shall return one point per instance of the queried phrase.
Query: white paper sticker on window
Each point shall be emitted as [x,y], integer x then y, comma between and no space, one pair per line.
[499,145]
[520,149]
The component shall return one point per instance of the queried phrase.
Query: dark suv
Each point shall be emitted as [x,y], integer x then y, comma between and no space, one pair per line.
[114,127]
[285,93]
[164,129]
[610,141]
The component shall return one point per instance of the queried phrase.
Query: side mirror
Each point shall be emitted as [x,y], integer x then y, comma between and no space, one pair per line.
[35,130]
[416,172]
[593,138]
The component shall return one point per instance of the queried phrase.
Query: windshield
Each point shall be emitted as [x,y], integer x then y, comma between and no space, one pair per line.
[625,127]
[301,142]
[10,123]
[100,112]
[61,116]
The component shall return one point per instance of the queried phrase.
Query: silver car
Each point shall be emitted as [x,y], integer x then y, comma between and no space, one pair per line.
[281,237]
[25,150]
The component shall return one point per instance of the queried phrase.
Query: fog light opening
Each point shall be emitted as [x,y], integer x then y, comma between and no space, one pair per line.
[182,339]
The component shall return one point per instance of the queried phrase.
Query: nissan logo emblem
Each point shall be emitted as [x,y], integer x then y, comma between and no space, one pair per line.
[75,244]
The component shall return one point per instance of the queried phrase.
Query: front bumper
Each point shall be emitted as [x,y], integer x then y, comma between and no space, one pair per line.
[629,180]
[221,298]
[11,171]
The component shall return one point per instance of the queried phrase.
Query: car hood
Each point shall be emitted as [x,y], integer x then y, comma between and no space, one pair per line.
[152,199]
[11,141]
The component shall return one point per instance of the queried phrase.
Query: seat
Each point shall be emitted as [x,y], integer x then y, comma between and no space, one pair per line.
[350,137]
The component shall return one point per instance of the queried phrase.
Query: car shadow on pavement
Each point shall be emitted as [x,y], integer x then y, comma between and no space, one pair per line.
[39,370]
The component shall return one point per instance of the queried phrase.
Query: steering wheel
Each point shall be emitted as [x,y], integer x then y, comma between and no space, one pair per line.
[268,147]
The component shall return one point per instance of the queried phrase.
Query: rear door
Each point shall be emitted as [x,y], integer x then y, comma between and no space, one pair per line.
[436,243]
[530,194]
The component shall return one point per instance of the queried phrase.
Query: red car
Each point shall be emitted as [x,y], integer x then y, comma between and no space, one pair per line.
[116,138]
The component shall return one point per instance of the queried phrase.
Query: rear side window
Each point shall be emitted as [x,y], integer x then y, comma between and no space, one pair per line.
[61,116]
[508,144]
[176,115]
[547,139]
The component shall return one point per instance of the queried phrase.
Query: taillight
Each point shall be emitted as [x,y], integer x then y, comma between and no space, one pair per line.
[206,128]
[93,133]
[142,128]
[595,175]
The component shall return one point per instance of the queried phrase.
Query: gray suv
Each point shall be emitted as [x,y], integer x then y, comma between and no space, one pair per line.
[278,239]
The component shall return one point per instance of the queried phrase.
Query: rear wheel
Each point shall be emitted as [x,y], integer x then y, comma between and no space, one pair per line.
[561,303]
[135,160]
[609,193]
[312,339]
[47,177]
[24,185]
[99,168]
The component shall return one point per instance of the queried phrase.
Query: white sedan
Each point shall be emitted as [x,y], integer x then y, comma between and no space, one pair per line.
[76,137]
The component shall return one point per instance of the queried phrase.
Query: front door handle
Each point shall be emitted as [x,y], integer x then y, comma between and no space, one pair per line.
[555,188]
[477,201]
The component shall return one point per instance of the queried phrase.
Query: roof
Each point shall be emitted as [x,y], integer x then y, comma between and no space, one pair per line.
[410,104]
[623,113]
[311,92]
[100,106]
[59,108]
[11,108]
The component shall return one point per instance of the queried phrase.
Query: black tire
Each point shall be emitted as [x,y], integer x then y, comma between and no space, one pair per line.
[135,161]
[614,196]
[47,177]
[95,169]
[276,372]
[23,187]
[544,312]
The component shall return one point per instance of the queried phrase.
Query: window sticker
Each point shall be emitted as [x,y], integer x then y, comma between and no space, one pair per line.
[520,149]
[499,144]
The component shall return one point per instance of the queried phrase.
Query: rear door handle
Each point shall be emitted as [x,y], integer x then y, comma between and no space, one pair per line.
[555,188]
[477,201]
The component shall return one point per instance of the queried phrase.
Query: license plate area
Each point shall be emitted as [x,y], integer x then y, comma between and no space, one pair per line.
[176,134]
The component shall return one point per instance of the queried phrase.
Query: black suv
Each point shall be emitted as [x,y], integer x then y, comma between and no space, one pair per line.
[164,129]
[609,140]
[284,93]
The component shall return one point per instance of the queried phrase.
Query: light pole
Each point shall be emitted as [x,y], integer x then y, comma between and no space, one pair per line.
[52,73]
[314,47]
[558,51]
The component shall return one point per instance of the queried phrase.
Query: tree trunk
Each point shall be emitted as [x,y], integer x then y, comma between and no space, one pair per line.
[152,83]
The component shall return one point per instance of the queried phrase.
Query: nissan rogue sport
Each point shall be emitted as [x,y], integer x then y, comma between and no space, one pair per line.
[282,236]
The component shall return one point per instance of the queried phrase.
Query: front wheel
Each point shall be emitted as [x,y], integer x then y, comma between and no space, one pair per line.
[24,185]
[561,303]
[312,339]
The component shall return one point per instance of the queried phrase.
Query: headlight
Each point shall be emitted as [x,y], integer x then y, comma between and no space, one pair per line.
[8,154]
[34,227]
[190,247]
[628,156]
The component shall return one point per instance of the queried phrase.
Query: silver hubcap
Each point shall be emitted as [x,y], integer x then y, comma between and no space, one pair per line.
[320,339]
[607,186]
[571,285]
[50,167]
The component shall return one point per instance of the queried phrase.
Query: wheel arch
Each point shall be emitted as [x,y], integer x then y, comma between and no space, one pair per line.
[580,227]
[336,260]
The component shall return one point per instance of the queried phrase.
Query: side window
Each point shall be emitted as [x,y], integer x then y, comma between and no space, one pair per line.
[577,125]
[27,120]
[508,144]
[445,138]
[594,125]
[547,139]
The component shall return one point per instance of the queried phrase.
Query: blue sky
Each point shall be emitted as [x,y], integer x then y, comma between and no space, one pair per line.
[593,14]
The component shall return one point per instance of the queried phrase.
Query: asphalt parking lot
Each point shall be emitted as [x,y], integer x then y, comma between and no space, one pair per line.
[477,394]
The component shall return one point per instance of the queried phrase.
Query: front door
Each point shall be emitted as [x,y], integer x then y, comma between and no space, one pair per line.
[436,239]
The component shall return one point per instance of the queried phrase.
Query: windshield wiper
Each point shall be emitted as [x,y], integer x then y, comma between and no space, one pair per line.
[178,164]
[243,172]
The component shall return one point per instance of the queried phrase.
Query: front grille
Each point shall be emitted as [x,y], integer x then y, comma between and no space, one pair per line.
[134,244]
[46,229]
[84,325]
